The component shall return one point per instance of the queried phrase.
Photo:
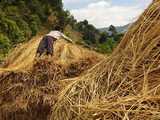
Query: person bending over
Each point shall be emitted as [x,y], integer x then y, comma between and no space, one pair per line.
[47,42]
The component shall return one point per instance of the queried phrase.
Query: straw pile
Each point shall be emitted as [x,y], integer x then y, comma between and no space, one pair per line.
[29,85]
[24,95]
[23,56]
[125,86]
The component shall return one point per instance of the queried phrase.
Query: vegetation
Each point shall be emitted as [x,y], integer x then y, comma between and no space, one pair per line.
[89,32]
[104,42]
[4,44]
[107,46]
[108,41]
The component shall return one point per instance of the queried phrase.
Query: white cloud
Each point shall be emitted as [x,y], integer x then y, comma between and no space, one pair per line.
[78,1]
[99,4]
[71,1]
[102,13]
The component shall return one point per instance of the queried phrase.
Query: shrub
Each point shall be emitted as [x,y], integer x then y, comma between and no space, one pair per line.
[103,37]
[23,25]
[11,28]
[12,11]
[108,46]
[35,24]
[4,44]
[118,37]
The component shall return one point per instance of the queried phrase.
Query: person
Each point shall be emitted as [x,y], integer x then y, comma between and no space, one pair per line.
[47,42]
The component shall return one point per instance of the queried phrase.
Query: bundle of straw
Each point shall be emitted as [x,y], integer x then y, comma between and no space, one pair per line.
[124,86]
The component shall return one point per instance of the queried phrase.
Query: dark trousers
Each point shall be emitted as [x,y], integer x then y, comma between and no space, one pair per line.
[46,46]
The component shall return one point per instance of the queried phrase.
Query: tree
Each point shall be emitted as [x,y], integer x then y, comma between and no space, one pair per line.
[11,28]
[103,37]
[112,30]
[88,31]
[108,46]
[118,37]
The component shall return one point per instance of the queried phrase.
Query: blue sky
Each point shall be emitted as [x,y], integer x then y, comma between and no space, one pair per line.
[103,13]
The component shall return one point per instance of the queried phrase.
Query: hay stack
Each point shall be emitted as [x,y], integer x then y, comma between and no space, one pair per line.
[28,87]
[23,56]
[23,95]
[126,85]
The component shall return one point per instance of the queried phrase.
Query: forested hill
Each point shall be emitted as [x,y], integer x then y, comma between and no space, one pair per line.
[22,19]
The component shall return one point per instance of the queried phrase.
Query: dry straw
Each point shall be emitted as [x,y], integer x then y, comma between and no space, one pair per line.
[31,93]
[24,95]
[125,86]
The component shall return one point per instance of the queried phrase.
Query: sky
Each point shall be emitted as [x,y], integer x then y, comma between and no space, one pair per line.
[102,13]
